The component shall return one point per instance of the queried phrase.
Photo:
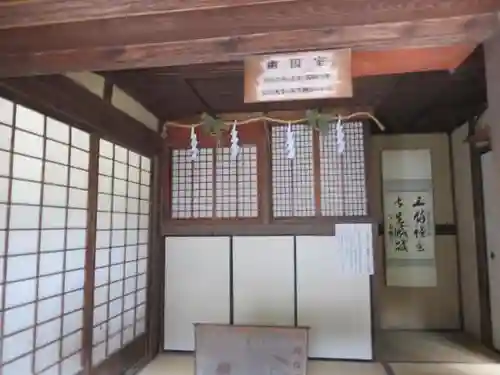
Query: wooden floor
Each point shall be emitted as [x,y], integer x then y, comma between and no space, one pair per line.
[399,353]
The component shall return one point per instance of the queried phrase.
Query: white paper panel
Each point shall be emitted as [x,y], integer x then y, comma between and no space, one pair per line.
[6,111]
[25,167]
[72,343]
[23,241]
[56,174]
[19,318]
[25,192]
[4,163]
[49,308]
[19,366]
[76,238]
[72,322]
[196,287]
[98,354]
[57,130]
[5,137]
[29,144]
[29,120]
[20,292]
[21,267]
[4,189]
[337,308]
[47,332]
[17,345]
[47,356]
[263,280]
[71,365]
[54,195]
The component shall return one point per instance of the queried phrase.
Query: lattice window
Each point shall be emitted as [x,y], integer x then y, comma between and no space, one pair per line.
[343,184]
[214,186]
[293,184]
[121,249]
[43,219]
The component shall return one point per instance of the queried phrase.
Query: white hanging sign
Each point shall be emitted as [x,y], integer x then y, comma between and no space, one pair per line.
[298,76]
[355,242]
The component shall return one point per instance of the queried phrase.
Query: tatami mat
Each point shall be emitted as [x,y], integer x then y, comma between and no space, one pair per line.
[183,364]
[407,346]
[445,369]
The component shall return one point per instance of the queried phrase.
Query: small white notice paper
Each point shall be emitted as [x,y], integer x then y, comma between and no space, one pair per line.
[355,242]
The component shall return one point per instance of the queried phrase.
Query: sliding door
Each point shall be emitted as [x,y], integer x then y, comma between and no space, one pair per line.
[196,287]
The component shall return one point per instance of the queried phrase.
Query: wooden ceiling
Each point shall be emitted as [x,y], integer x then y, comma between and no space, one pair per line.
[54,36]
[425,90]
[182,57]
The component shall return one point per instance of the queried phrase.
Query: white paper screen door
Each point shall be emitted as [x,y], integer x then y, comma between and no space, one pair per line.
[491,186]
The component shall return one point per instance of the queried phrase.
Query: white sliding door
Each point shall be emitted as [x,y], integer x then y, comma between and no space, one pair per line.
[196,287]
[263,280]
[491,185]
[335,307]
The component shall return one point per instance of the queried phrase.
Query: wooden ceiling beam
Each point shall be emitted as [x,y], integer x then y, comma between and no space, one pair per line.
[244,20]
[63,99]
[31,13]
[471,29]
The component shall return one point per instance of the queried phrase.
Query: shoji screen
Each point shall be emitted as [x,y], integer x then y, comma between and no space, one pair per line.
[121,249]
[43,200]
[264,291]
[337,308]
[293,185]
[234,183]
[196,287]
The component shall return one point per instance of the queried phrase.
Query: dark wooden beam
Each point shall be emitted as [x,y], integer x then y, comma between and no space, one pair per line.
[61,98]
[233,21]
[29,13]
[126,55]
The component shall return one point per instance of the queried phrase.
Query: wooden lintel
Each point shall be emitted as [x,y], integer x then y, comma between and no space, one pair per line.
[30,13]
[63,99]
[471,29]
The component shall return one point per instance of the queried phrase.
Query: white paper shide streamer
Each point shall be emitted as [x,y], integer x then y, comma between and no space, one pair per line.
[355,244]
[340,135]
[290,143]
[194,145]
[235,147]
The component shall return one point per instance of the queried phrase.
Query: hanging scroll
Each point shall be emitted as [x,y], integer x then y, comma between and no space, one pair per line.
[409,218]
[298,76]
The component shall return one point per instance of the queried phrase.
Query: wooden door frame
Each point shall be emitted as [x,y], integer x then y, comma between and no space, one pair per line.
[486,328]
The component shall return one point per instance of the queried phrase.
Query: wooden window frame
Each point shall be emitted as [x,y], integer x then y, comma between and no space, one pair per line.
[265,223]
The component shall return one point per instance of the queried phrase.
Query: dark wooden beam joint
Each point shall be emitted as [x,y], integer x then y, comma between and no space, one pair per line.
[65,100]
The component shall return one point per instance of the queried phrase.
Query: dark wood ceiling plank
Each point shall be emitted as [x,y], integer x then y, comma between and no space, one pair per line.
[426,33]
[220,22]
[65,100]
[29,13]
[437,101]
[364,63]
